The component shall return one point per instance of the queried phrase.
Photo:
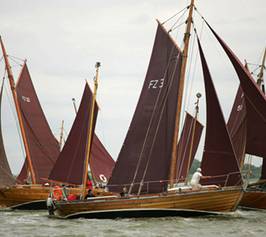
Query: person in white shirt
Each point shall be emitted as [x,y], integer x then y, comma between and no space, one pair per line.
[195,180]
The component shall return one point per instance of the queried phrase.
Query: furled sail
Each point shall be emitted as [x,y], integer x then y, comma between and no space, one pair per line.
[184,162]
[43,146]
[101,163]
[146,153]
[69,166]
[255,105]
[219,159]
[237,126]
[6,177]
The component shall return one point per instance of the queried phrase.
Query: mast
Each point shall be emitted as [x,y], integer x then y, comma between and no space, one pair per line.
[74,104]
[14,93]
[260,75]
[90,135]
[61,135]
[172,174]
[193,134]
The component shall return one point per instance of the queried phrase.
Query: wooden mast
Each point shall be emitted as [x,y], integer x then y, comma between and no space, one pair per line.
[172,175]
[193,134]
[14,93]
[90,135]
[262,67]
[61,135]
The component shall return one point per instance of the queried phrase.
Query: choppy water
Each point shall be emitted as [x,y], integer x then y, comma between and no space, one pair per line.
[29,223]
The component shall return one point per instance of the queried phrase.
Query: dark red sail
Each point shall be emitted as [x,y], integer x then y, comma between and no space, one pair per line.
[237,126]
[44,148]
[146,153]
[263,169]
[219,159]
[69,167]
[101,163]
[184,146]
[6,177]
[255,105]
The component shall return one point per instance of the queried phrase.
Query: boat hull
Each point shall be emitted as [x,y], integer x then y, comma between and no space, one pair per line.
[171,204]
[254,200]
[26,197]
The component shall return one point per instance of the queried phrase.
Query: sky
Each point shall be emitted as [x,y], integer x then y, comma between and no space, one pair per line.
[63,39]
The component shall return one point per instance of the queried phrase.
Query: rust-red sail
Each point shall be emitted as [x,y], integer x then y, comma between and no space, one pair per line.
[101,163]
[255,105]
[184,146]
[69,167]
[219,159]
[146,153]
[43,146]
[6,177]
[237,126]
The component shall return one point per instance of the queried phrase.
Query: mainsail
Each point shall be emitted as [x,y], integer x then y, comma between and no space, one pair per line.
[6,177]
[69,166]
[219,159]
[146,153]
[43,146]
[101,162]
[184,162]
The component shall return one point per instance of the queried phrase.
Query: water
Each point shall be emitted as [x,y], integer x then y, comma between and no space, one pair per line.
[36,223]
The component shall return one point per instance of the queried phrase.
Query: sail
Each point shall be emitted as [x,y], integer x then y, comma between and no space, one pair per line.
[69,166]
[6,177]
[43,147]
[219,160]
[255,105]
[263,169]
[237,126]
[184,146]
[146,152]
[101,163]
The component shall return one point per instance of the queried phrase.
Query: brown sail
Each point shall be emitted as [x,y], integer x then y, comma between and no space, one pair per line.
[101,163]
[69,166]
[219,159]
[237,126]
[146,152]
[184,146]
[44,148]
[6,177]
[255,105]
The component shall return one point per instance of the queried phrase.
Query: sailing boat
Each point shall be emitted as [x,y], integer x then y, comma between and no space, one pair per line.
[147,163]
[247,126]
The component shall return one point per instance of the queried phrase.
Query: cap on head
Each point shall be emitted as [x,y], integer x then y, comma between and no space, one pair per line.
[199,169]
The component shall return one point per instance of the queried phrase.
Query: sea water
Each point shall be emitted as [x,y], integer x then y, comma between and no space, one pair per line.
[36,223]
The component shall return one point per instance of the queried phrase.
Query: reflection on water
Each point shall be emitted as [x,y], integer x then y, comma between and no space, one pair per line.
[29,223]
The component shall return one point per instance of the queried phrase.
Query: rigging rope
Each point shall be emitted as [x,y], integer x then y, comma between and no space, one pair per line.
[170,18]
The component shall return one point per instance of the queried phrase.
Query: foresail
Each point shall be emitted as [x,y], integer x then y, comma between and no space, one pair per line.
[101,163]
[44,148]
[69,166]
[255,104]
[219,160]
[146,153]
[184,162]
[6,177]
[237,126]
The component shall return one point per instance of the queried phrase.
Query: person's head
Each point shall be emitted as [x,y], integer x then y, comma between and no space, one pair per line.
[198,169]
[125,189]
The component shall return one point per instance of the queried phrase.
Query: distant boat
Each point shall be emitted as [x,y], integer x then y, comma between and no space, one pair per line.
[41,147]
[247,125]
[146,170]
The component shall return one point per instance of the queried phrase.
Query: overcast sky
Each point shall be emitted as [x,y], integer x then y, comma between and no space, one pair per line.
[62,40]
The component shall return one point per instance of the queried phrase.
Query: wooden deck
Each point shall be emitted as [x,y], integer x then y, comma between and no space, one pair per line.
[206,201]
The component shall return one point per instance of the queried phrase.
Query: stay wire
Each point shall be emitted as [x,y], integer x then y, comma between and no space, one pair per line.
[170,18]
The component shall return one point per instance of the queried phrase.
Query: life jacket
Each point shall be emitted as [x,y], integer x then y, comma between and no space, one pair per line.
[57,193]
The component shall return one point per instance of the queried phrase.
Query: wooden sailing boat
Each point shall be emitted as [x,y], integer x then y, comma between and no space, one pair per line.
[42,149]
[149,152]
[247,126]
